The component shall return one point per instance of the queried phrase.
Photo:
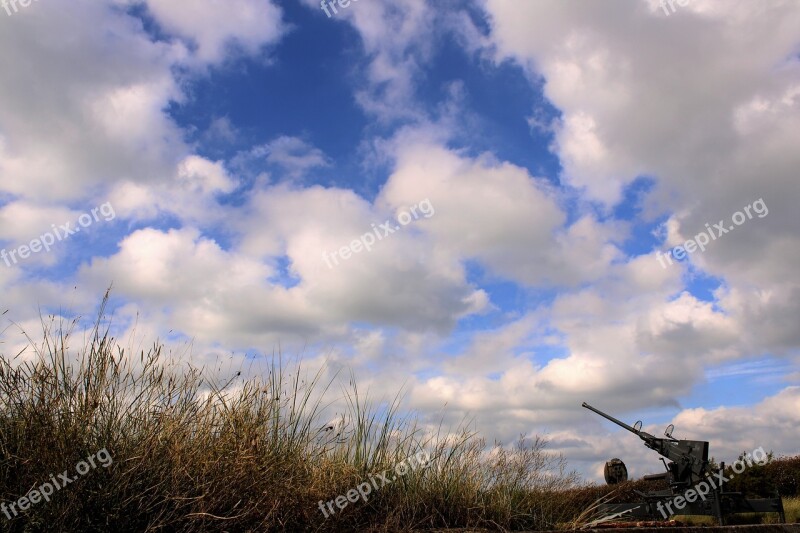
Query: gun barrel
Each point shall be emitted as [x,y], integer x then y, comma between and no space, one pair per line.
[609,417]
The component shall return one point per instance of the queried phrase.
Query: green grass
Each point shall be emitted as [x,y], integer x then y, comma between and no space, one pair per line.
[191,454]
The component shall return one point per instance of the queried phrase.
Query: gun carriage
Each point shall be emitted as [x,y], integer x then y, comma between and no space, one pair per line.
[689,475]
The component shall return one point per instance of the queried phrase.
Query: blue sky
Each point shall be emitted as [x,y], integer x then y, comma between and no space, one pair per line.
[544,153]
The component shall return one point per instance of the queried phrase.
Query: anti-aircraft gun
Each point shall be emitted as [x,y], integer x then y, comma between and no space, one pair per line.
[694,488]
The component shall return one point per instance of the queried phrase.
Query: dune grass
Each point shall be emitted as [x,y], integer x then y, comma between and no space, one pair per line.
[191,454]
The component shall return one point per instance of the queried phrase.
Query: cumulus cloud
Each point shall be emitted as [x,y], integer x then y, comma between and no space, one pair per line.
[285,288]
[703,103]
[645,94]
[71,119]
[214,28]
[498,214]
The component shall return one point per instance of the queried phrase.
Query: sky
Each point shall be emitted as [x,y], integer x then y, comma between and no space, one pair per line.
[501,208]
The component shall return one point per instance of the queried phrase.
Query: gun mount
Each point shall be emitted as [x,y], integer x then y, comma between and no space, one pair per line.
[688,469]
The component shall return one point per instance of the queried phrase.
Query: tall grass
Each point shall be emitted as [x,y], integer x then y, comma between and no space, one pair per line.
[191,454]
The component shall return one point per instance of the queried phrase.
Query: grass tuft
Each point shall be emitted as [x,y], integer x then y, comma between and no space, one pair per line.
[190,454]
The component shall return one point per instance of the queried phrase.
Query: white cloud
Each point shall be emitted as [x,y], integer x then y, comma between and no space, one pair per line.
[704,101]
[498,214]
[395,38]
[293,155]
[196,174]
[72,119]
[214,26]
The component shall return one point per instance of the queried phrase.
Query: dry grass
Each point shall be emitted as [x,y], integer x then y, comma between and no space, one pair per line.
[193,455]
[791,507]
